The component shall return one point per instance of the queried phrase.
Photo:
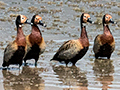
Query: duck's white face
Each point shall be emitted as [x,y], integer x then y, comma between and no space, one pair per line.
[37,19]
[86,17]
[108,18]
[23,19]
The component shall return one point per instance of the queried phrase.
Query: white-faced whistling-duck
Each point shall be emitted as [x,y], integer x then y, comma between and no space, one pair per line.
[104,44]
[15,51]
[73,50]
[35,41]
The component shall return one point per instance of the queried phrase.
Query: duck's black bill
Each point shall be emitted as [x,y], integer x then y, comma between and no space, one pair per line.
[41,23]
[89,20]
[26,22]
[111,21]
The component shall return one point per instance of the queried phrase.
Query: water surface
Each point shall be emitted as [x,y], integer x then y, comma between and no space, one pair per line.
[62,18]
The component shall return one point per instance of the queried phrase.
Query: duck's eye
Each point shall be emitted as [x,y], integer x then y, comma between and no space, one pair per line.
[22,17]
[106,17]
[84,16]
[36,18]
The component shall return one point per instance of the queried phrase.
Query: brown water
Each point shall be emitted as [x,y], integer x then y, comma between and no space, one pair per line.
[62,18]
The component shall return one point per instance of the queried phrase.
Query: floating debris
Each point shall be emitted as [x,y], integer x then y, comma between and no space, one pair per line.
[2,19]
[118,52]
[2,7]
[118,13]
[32,9]
[15,29]
[118,6]
[1,44]
[36,10]
[73,5]
[88,1]
[117,28]
[13,36]
[78,16]
[57,20]
[2,48]
[56,16]
[108,7]
[96,5]
[48,28]
[9,19]
[98,21]
[14,15]
[118,24]
[55,24]
[99,14]
[61,26]
[65,22]
[60,4]
[113,3]
[55,11]
[50,2]
[2,3]
[77,9]
[6,19]
[43,11]
[43,6]
[15,9]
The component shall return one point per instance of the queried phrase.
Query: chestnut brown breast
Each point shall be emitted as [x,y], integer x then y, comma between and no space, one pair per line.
[35,37]
[106,39]
[84,42]
[20,39]
[84,38]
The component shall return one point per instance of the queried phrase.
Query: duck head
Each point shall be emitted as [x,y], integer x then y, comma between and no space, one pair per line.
[107,18]
[21,19]
[36,19]
[85,18]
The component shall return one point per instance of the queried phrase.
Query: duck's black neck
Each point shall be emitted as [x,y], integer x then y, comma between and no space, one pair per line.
[103,20]
[83,28]
[18,22]
[81,21]
[106,29]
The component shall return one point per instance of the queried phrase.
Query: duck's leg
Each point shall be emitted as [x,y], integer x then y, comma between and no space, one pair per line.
[36,62]
[25,64]
[7,68]
[96,56]
[20,64]
[108,57]
[66,62]
[73,64]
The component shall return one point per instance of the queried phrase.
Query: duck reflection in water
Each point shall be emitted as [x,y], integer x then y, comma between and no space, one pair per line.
[71,77]
[103,69]
[28,79]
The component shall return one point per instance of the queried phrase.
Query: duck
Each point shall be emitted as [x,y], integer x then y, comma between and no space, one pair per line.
[73,50]
[104,44]
[35,42]
[15,51]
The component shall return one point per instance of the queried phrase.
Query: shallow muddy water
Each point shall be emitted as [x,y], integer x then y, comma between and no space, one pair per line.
[62,18]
